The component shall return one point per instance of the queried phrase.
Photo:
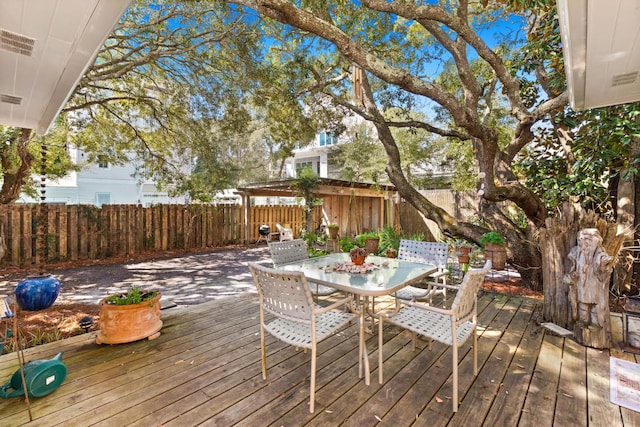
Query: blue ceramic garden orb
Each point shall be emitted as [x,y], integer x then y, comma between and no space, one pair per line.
[37,293]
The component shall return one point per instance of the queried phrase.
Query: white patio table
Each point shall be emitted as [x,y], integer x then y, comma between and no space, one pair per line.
[387,275]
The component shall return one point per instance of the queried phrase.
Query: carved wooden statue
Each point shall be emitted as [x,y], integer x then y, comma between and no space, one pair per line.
[588,283]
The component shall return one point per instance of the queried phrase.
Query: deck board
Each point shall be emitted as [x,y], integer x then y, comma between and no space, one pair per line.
[205,370]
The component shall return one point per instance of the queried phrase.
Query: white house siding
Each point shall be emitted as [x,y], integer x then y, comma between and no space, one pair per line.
[95,185]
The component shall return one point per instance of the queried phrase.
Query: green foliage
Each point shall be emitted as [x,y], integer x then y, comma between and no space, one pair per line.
[492,237]
[304,185]
[311,240]
[313,253]
[389,238]
[40,336]
[361,158]
[362,238]
[333,225]
[347,243]
[133,296]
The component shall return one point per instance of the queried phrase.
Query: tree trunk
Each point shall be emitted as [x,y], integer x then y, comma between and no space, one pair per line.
[625,216]
[556,239]
[15,174]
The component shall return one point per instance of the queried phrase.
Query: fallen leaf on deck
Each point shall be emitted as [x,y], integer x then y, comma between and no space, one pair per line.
[439,400]
[178,361]
[378,418]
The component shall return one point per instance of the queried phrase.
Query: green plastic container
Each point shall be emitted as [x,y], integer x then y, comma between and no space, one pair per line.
[41,376]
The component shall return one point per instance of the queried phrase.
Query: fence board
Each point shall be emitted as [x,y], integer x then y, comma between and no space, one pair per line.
[63,232]
[79,232]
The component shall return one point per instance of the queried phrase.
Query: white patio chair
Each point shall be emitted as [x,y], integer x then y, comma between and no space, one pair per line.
[292,251]
[285,233]
[299,322]
[435,253]
[451,327]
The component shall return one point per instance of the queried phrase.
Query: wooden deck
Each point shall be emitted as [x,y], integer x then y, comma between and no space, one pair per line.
[205,370]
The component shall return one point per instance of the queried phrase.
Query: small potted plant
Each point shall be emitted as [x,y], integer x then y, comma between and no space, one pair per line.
[129,316]
[463,254]
[494,249]
[333,230]
[358,255]
[369,240]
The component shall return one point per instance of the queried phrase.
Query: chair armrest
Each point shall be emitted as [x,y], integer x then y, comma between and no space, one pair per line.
[439,274]
[337,304]
[442,285]
[446,312]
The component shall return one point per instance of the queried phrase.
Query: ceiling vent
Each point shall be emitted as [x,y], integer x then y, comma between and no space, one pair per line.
[624,79]
[16,43]
[10,99]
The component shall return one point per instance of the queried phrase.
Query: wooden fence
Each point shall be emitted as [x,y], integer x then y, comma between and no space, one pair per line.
[37,234]
[40,234]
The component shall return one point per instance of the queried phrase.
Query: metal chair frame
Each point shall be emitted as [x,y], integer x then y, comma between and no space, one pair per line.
[292,251]
[434,253]
[298,321]
[451,326]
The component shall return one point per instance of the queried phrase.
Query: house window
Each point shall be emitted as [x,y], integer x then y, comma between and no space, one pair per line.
[103,199]
[327,138]
[302,165]
[102,162]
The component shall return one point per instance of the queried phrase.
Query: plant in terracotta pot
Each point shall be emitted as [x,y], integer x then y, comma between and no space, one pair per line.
[494,249]
[463,254]
[358,255]
[333,230]
[390,241]
[129,316]
[369,240]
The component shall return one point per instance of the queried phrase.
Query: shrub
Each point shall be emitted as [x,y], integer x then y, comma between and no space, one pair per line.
[133,296]
[492,237]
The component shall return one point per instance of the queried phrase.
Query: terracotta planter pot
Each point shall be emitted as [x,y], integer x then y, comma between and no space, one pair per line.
[359,260]
[127,323]
[463,257]
[497,254]
[371,245]
[333,232]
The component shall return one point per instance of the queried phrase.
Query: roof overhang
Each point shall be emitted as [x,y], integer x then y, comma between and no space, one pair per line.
[45,48]
[601,48]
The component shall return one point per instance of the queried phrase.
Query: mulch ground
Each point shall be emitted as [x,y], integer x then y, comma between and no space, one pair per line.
[54,323]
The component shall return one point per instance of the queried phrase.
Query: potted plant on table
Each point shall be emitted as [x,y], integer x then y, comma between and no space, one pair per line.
[129,316]
[358,255]
[494,249]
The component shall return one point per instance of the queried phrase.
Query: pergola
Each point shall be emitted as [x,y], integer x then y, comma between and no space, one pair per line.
[354,206]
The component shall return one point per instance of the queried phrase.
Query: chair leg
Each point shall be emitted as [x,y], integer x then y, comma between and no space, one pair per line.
[475,352]
[312,393]
[454,361]
[263,352]
[380,355]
